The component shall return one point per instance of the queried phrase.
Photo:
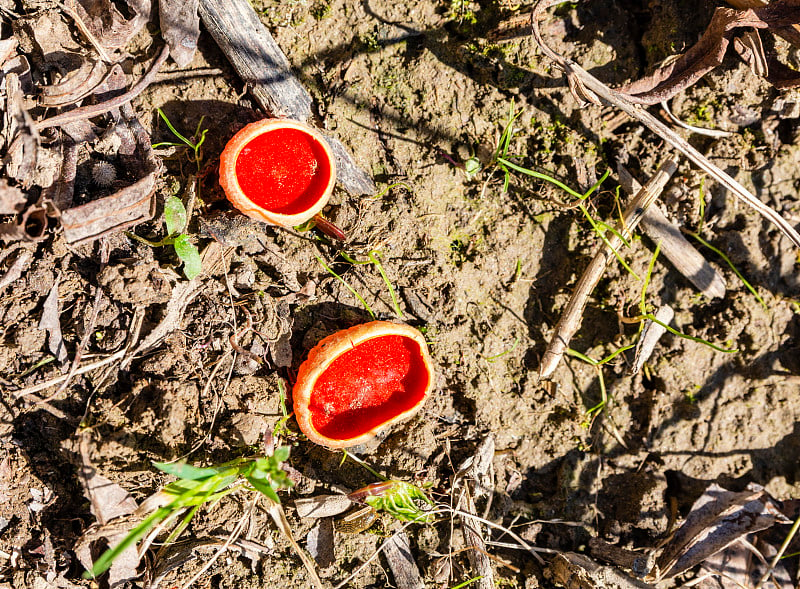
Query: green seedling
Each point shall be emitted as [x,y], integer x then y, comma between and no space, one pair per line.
[175,213]
[403,501]
[501,160]
[195,143]
[374,258]
[503,353]
[280,430]
[196,487]
[467,583]
[175,222]
[646,314]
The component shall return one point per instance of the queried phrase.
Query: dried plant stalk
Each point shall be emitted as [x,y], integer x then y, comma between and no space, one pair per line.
[573,313]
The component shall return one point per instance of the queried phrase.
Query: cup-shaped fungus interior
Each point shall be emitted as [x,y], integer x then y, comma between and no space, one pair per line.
[285,170]
[370,384]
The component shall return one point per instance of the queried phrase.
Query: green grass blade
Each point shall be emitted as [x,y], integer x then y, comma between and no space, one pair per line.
[467,583]
[104,562]
[346,285]
[646,283]
[373,256]
[680,334]
[732,267]
[186,471]
[174,130]
[538,175]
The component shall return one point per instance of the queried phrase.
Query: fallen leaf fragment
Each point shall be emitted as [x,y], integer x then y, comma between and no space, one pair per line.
[12,199]
[180,28]
[717,519]
[51,323]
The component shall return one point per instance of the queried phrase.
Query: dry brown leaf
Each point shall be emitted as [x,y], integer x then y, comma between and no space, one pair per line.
[180,28]
[743,563]
[717,519]
[51,323]
[401,561]
[111,29]
[708,53]
[12,199]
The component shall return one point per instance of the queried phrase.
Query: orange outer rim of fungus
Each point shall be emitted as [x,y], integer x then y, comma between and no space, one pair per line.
[230,183]
[333,347]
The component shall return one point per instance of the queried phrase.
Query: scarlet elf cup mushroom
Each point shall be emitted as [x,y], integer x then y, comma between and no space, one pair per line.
[278,171]
[361,380]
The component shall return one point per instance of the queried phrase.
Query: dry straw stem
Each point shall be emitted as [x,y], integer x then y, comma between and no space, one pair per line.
[573,313]
[589,89]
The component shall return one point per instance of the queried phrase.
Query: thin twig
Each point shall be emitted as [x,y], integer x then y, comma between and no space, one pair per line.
[572,315]
[87,112]
[83,369]
[589,88]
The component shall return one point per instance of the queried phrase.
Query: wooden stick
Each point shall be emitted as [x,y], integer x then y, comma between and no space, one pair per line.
[573,313]
[259,61]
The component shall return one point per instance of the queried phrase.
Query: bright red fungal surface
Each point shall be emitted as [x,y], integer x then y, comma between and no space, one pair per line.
[367,386]
[284,171]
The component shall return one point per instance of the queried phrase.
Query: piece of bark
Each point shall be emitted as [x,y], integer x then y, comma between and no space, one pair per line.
[401,561]
[576,571]
[641,564]
[320,544]
[259,61]
[130,206]
[651,333]
[677,249]
[51,323]
[180,28]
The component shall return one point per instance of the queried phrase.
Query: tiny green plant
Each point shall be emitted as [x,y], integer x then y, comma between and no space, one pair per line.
[196,487]
[353,291]
[403,501]
[501,160]
[175,214]
[195,143]
[722,255]
[175,218]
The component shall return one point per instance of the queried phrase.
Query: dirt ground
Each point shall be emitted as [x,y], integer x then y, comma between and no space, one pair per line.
[416,91]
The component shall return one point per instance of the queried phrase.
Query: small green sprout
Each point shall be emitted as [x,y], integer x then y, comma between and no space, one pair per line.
[195,143]
[197,486]
[175,222]
[403,501]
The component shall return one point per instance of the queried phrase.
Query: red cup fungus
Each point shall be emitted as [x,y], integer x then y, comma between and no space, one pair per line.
[278,171]
[361,380]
